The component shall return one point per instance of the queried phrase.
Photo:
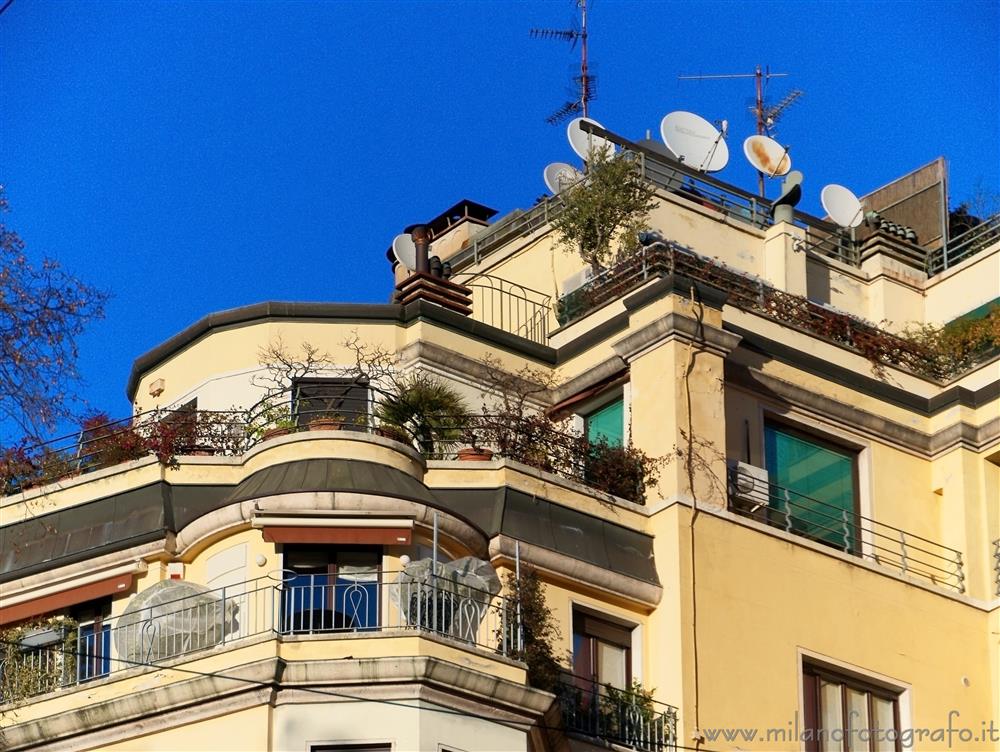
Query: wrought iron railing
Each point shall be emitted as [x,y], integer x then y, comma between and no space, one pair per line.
[373,602]
[535,440]
[965,245]
[510,306]
[620,716]
[846,530]
[674,177]
[752,294]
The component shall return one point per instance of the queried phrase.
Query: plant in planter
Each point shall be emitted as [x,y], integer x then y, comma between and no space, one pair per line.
[535,645]
[37,656]
[623,471]
[17,470]
[331,422]
[105,443]
[422,406]
[269,421]
[601,216]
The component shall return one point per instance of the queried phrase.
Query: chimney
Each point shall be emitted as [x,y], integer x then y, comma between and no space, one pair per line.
[428,282]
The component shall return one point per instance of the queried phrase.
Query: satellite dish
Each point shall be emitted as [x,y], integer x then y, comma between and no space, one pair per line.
[584,143]
[405,251]
[841,205]
[767,155]
[695,141]
[559,176]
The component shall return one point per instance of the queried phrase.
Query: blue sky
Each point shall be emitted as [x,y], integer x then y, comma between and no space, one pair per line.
[196,156]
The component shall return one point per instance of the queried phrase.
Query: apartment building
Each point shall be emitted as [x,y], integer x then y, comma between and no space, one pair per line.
[815,567]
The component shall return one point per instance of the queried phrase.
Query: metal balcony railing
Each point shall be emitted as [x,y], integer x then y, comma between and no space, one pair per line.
[752,294]
[510,306]
[359,602]
[534,440]
[965,245]
[619,716]
[847,531]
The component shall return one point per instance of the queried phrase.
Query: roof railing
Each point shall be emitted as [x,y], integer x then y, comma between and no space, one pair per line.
[964,246]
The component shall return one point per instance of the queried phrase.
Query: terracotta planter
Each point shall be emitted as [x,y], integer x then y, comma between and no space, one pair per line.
[475,454]
[272,433]
[396,434]
[326,424]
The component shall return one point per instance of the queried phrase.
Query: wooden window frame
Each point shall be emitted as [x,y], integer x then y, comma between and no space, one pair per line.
[594,628]
[812,706]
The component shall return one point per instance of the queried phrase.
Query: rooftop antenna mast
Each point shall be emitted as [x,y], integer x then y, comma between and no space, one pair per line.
[585,83]
[766,115]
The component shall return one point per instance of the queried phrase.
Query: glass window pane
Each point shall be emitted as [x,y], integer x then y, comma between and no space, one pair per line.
[831,717]
[608,423]
[858,726]
[885,721]
[611,668]
[820,482]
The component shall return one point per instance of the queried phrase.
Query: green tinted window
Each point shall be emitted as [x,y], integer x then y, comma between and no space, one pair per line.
[812,487]
[608,423]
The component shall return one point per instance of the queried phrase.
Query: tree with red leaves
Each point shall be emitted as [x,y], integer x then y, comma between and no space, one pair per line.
[42,311]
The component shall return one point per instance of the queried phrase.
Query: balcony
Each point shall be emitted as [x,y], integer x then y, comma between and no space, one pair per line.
[533,440]
[621,717]
[369,604]
[851,533]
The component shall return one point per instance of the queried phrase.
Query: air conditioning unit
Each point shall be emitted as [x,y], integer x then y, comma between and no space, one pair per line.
[750,487]
[575,281]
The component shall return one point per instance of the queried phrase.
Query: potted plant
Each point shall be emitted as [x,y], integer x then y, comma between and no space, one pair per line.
[425,408]
[473,452]
[331,422]
[271,421]
[105,442]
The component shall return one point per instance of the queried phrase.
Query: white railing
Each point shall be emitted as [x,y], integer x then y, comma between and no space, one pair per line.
[366,602]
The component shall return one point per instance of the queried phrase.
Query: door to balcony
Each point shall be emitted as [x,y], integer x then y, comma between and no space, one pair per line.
[330,589]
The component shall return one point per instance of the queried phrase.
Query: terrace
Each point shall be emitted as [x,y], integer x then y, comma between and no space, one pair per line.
[161,631]
[733,203]
[752,294]
[534,440]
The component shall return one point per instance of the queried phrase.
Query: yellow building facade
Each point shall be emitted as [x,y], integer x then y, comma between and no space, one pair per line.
[815,567]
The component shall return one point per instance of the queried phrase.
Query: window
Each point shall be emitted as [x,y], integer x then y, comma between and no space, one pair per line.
[351,748]
[327,589]
[813,487]
[844,714]
[607,423]
[93,650]
[331,398]
[602,653]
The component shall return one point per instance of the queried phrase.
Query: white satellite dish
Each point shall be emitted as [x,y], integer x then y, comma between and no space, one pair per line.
[697,142]
[767,155]
[405,251]
[584,143]
[559,176]
[841,205]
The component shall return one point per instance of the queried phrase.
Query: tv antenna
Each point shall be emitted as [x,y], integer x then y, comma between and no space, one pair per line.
[765,114]
[585,84]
